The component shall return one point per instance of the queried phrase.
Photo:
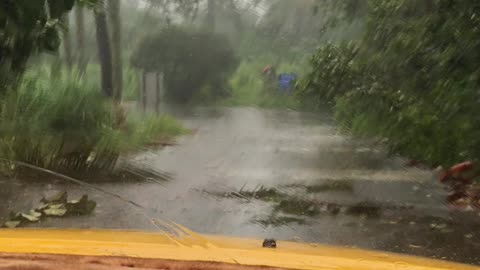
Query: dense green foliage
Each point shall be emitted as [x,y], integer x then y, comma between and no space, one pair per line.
[66,124]
[414,80]
[28,27]
[334,75]
[190,60]
[53,117]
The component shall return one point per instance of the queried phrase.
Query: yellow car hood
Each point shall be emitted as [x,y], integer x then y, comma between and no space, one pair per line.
[196,247]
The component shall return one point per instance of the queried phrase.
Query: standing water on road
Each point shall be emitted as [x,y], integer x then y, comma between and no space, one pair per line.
[278,174]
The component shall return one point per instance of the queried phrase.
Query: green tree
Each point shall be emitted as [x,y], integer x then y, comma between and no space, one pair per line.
[334,75]
[27,27]
[414,81]
[187,66]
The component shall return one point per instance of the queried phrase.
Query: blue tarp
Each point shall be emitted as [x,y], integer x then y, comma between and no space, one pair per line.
[285,81]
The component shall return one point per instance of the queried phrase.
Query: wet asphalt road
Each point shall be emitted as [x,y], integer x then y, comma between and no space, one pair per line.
[312,185]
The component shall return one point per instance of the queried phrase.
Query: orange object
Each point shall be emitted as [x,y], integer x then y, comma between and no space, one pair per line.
[456,169]
[461,167]
[266,69]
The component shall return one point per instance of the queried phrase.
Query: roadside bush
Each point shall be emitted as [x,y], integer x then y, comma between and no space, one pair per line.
[333,74]
[191,61]
[67,125]
[412,82]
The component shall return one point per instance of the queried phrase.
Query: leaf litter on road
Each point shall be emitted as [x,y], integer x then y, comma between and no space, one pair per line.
[56,205]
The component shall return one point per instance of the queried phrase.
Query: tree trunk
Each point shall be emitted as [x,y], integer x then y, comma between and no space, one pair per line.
[114,8]
[104,51]
[210,20]
[80,36]
[237,19]
[67,42]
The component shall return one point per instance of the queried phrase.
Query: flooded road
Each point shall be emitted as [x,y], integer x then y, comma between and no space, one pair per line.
[277,174]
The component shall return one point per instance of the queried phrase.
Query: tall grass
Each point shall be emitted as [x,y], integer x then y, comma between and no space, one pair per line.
[130,79]
[130,83]
[66,124]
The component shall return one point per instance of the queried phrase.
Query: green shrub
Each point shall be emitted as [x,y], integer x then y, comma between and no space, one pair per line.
[66,124]
[247,84]
[27,29]
[412,82]
[148,129]
[190,61]
[332,74]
